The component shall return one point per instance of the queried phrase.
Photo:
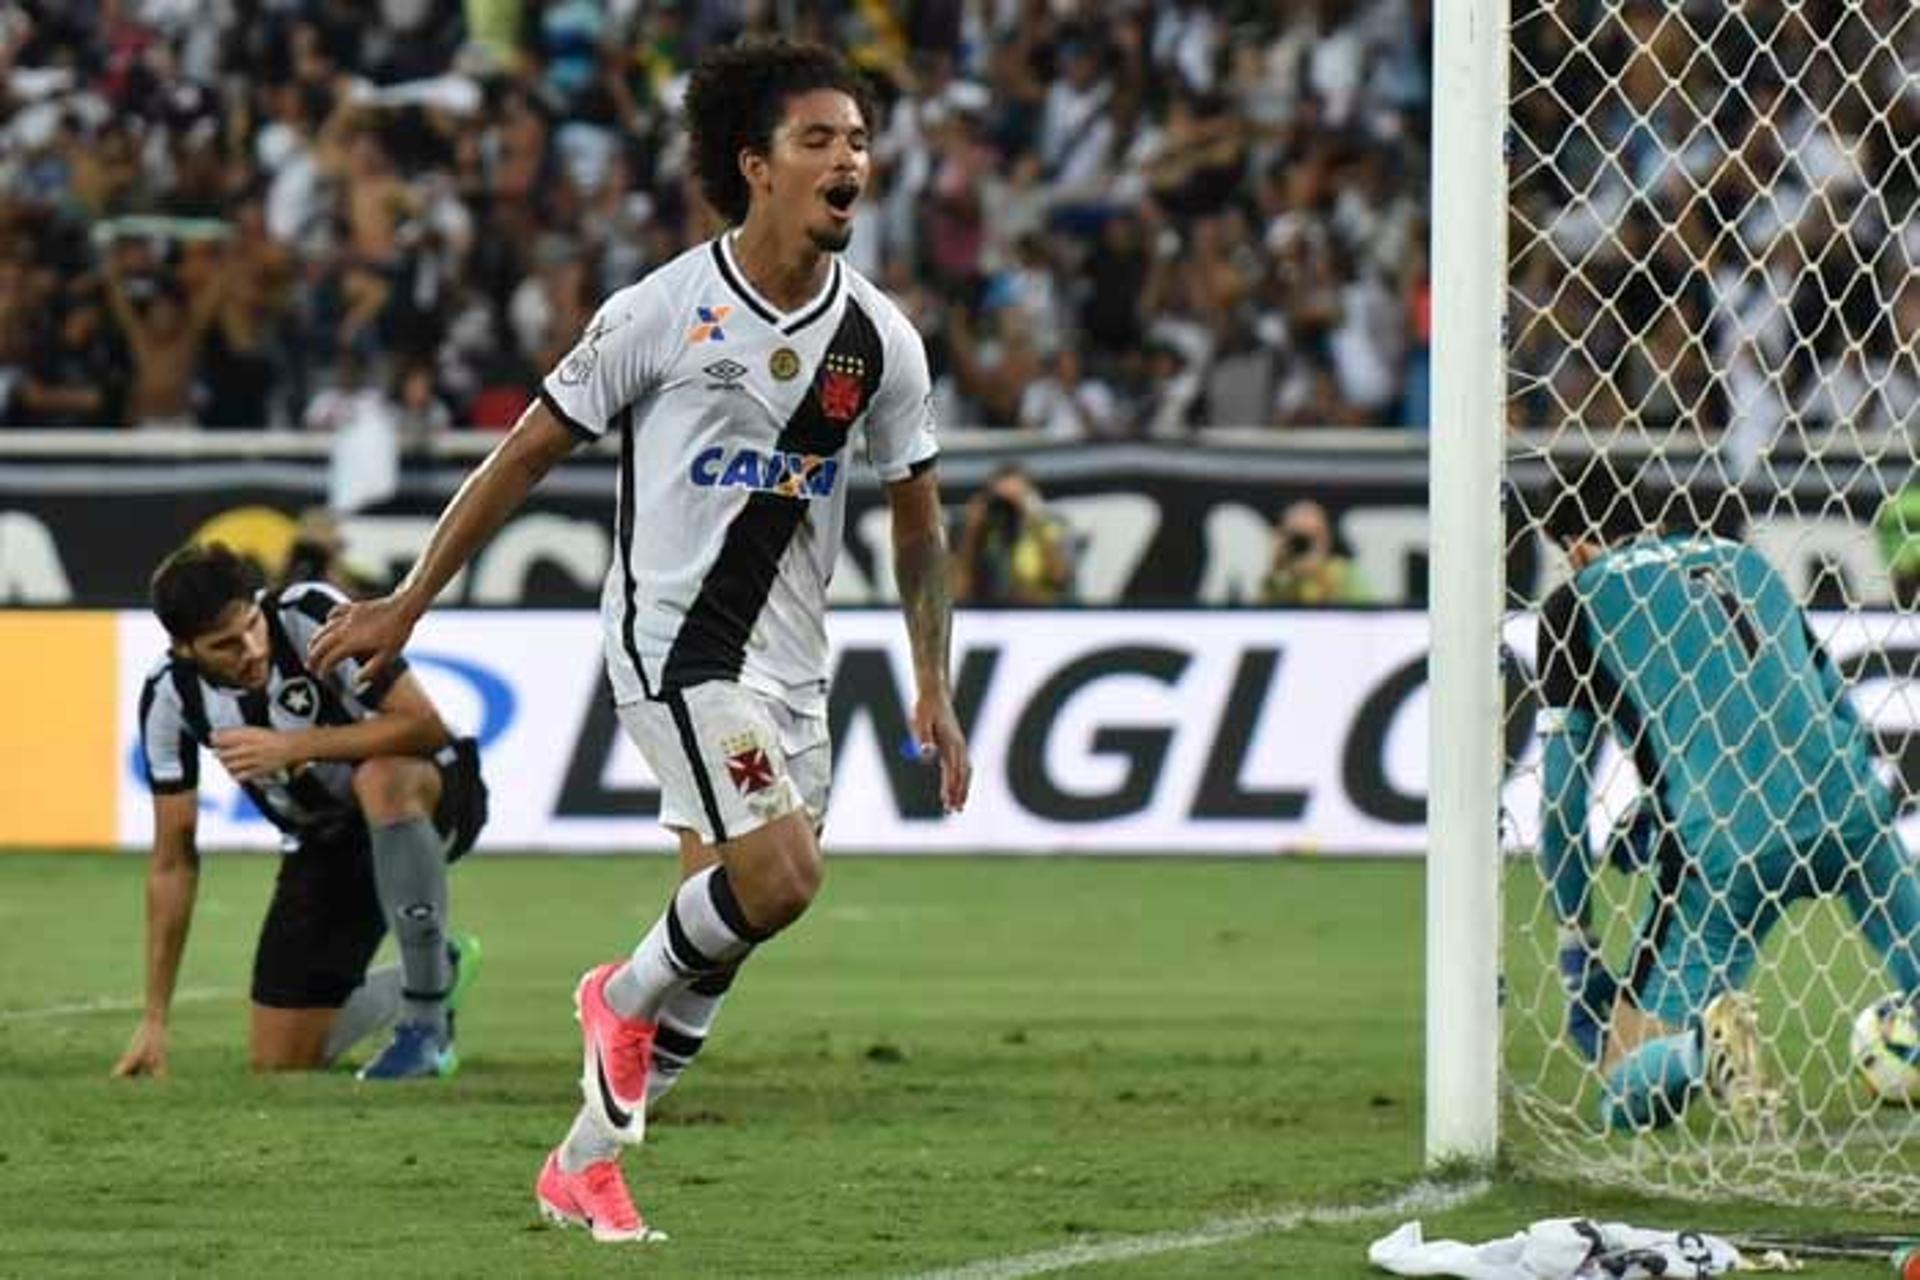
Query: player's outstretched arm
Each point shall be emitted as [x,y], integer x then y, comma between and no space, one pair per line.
[173,881]
[920,571]
[375,631]
[407,724]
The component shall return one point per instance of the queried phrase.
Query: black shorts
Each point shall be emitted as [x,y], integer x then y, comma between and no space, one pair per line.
[325,923]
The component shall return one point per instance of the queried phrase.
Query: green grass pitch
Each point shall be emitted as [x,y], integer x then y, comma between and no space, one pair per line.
[948,1062]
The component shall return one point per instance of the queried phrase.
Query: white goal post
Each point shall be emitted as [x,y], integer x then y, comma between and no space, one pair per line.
[1467,455]
[1677,243]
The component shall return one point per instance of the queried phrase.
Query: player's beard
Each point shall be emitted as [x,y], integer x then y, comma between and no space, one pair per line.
[831,239]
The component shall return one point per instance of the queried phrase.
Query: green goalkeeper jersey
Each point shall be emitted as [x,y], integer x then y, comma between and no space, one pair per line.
[1695,654]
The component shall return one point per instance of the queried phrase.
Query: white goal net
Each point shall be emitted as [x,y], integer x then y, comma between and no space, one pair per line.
[1713,283]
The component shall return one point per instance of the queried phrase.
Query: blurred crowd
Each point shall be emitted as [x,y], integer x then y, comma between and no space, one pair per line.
[1713,220]
[1110,220]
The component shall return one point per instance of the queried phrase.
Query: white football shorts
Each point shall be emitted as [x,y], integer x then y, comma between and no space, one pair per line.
[730,760]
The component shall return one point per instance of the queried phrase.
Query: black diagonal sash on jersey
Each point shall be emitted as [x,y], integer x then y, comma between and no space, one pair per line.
[712,642]
[330,709]
[306,790]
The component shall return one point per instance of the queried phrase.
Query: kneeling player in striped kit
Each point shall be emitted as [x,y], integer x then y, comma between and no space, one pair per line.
[739,377]
[1693,651]
[372,796]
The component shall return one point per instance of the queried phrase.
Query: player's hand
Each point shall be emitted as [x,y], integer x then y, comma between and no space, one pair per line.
[374,631]
[146,1054]
[937,731]
[251,754]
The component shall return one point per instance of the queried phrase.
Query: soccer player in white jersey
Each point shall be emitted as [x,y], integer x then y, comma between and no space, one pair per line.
[740,377]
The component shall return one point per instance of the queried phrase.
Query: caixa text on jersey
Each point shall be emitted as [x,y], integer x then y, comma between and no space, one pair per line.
[792,475]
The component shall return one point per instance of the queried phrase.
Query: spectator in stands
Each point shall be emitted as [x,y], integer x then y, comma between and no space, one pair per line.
[357,394]
[1306,569]
[1164,409]
[421,415]
[1241,384]
[1012,550]
[1064,404]
[164,327]
[553,304]
[76,375]
[995,369]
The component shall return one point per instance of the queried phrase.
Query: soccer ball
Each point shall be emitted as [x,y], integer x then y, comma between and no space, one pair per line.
[1886,1048]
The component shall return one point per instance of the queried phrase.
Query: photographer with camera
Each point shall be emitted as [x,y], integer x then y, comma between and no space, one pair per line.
[1305,569]
[1012,549]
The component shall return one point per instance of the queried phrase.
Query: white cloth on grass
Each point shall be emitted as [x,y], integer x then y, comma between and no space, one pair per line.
[1558,1249]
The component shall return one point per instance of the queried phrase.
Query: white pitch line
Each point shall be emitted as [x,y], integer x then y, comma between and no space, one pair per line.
[1422,1197]
[105,1005]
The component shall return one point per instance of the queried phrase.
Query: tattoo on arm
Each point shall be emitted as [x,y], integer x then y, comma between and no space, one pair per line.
[920,571]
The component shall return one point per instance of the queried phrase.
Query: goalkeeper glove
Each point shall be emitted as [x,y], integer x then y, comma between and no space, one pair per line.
[1590,990]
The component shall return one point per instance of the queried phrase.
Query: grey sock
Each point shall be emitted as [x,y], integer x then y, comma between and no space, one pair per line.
[587,1143]
[373,1006]
[410,873]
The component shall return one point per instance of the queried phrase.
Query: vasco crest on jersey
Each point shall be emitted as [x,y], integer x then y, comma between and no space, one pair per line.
[842,386]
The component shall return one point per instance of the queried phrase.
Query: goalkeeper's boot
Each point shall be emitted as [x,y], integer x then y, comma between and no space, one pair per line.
[595,1198]
[1735,1069]
[616,1054]
[416,1052]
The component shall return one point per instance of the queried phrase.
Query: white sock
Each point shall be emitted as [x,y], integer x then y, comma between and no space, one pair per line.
[587,1143]
[686,1019]
[702,931]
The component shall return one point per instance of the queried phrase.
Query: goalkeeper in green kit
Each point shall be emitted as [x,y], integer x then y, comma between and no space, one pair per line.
[1761,788]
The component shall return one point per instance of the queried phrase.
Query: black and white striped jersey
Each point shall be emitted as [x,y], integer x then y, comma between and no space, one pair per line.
[737,424]
[180,710]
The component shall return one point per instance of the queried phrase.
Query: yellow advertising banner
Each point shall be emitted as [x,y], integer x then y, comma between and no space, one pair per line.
[58,729]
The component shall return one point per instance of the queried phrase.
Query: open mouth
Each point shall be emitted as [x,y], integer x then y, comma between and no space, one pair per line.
[841,196]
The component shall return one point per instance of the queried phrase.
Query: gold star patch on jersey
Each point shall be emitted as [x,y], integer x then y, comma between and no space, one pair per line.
[784,364]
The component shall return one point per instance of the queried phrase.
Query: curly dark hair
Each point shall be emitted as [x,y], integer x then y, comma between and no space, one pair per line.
[736,97]
[195,585]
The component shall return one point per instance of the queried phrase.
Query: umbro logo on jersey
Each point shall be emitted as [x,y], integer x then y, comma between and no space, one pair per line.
[708,329]
[297,698]
[729,373]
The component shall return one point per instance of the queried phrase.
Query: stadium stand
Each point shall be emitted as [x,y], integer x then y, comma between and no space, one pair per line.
[1721,223]
[1111,221]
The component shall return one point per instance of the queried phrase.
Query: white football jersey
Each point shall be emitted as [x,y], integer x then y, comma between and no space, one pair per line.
[735,424]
